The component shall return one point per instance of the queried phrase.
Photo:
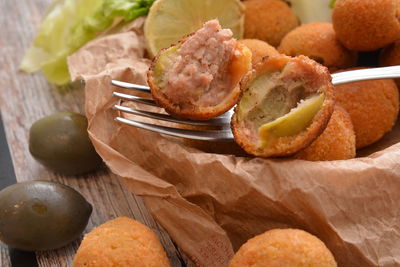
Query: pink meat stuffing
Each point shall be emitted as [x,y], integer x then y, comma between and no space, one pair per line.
[200,74]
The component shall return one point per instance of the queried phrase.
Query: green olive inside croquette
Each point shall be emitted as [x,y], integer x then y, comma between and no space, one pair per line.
[285,106]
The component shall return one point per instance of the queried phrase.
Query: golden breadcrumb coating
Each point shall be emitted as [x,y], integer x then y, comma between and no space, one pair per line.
[121,242]
[278,85]
[268,20]
[337,142]
[372,105]
[366,25]
[259,49]
[318,41]
[199,77]
[284,247]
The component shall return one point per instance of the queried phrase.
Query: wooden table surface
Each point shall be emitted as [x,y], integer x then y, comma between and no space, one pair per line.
[26,98]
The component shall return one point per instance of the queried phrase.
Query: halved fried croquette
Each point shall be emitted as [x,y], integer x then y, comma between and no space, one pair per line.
[390,56]
[121,242]
[259,49]
[318,41]
[198,78]
[337,142]
[366,25]
[268,20]
[284,107]
[373,107]
[283,247]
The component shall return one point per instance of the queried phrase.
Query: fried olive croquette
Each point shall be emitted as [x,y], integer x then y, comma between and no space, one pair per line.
[337,142]
[286,105]
[373,107]
[390,56]
[318,41]
[199,77]
[284,247]
[259,49]
[121,242]
[268,20]
[366,25]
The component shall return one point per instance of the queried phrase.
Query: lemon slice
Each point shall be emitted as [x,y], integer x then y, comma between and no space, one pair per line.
[305,10]
[169,20]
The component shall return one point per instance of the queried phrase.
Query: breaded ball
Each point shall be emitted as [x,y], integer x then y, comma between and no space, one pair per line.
[259,49]
[285,106]
[390,56]
[337,142]
[366,25]
[318,41]
[284,247]
[121,242]
[268,20]
[199,77]
[373,107]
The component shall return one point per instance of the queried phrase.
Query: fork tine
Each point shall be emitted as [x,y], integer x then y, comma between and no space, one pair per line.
[137,87]
[135,99]
[337,78]
[225,134]
[391,72]
[224,121]
[222,135]
[146,89]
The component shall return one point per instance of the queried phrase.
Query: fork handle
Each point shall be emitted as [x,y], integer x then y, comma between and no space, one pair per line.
[366,74]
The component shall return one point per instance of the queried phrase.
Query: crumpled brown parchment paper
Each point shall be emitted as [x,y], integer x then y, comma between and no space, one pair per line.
[211,203]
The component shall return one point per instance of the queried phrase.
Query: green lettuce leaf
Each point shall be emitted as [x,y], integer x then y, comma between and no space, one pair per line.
[68,25]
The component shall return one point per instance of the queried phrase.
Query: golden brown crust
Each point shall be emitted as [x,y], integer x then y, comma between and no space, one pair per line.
[268,20]
[318,41]
[283,247]
[337,142]
[259,49]
[242,58]
[316,78]
[373,107]
[121,242]
[366,25]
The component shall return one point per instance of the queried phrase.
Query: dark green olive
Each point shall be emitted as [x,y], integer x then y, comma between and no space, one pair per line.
[41,215]
[61,143]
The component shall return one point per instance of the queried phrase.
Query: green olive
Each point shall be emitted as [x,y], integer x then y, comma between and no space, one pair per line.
[41,215]
[61,143]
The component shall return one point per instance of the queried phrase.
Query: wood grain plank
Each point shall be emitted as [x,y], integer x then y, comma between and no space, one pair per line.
[25,98]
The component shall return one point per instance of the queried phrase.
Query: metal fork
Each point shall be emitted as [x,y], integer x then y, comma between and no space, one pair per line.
[221,125]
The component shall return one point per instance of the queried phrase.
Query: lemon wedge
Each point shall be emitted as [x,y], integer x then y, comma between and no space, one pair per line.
[293,122]
[305,10]
[169,20]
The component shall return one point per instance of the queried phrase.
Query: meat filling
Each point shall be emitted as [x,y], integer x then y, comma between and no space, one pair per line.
[200,74]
